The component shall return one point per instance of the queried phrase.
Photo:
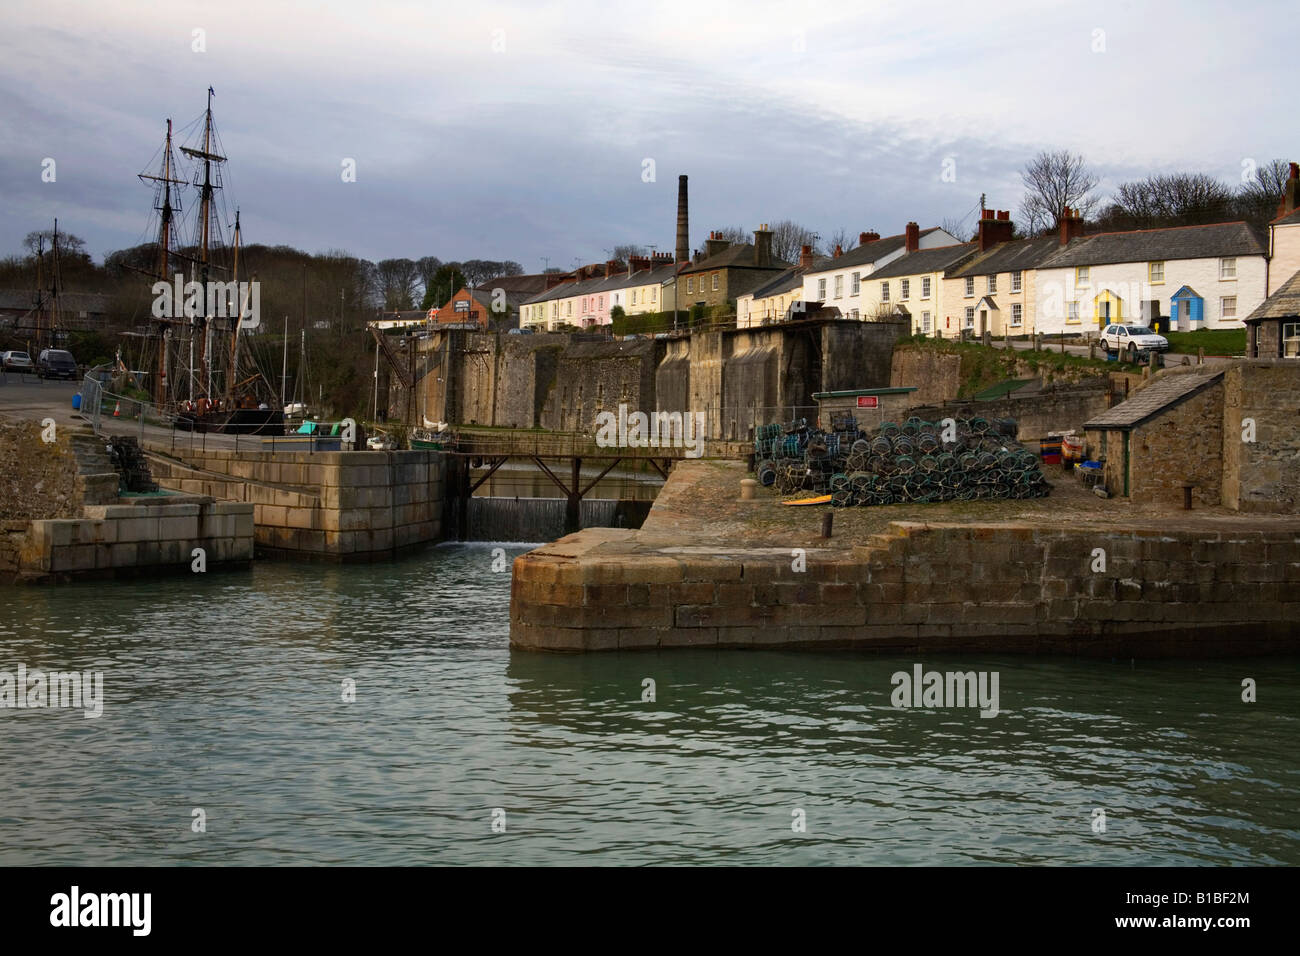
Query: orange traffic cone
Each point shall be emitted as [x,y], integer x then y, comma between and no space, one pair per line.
[117,410]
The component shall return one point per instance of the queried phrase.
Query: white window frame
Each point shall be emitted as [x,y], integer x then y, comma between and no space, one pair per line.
[689,289]
[1072,313]
[904,289]
[1228,268]
[925,287]
[1290,332]
[1151,271]
[1223,306]
[1017,280]
[884,291]
[715,282]
[925,321]
[1017,314]
[855,283]
[821,290]
[839,287]
[969,317]
[1083,276]
[970,286]
[993,283]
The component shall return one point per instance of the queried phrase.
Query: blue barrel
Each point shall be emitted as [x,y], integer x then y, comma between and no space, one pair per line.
[76,401]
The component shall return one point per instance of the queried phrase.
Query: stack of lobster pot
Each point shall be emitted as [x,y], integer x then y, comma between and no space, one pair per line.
[912,461]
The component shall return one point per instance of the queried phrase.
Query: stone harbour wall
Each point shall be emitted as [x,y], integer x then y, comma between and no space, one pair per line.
[921,588]
[114,539]
[341,506]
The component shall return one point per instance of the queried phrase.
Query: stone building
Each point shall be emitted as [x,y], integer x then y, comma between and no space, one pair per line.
[724,271]
[1229,433]
[1273,329]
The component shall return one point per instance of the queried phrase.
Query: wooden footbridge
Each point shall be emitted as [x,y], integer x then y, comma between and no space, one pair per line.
[558,456]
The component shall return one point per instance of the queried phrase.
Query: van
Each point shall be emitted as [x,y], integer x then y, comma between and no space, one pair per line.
[56,363]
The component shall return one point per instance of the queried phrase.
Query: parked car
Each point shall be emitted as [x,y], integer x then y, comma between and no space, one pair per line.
[1132,339]
[521,331]
[15,361]
[56,363]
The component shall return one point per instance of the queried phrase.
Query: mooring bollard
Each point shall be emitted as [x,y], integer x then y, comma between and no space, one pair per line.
[747,488]
[827,519]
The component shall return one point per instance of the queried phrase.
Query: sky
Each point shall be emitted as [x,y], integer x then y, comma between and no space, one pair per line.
[549,132]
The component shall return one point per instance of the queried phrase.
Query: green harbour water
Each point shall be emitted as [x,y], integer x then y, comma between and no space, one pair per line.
[223,691]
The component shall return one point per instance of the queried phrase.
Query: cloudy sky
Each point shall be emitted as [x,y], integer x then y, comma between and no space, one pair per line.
[521,130]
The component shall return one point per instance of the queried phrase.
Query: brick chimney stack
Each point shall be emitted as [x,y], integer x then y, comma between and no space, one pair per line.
[611,268]
[1288,204]
[839,251]
[805,257]
[683,233]
[1071,225]
[762,246]
[995,226]
[866,237]
[913,237]
[715,244]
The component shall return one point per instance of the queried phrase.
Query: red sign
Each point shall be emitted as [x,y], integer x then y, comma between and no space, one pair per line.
[868,401]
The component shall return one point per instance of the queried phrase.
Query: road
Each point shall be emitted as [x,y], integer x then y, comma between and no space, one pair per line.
[26,396]
[1170,358]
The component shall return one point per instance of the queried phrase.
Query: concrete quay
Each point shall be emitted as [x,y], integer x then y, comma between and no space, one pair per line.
[708,570]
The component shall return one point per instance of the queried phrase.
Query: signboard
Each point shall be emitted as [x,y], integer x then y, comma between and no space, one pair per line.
[462,305]
[868,401]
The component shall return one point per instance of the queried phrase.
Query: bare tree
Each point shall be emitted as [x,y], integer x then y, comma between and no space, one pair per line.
[427,267]
[398,279]
[955,227]
[1055,181]
[1259,197]
[1173,199]
[840,237]
[737,234]
[626,251]
[788,239]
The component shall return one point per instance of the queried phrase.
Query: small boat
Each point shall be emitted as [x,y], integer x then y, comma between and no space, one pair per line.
[380,442]
[434,435]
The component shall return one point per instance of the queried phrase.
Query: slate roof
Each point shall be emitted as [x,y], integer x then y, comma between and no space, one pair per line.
[1152,245]
[871,252]
[1165,391]
[787,279]
[1191,293]
[1289,219]
[600,284]
[1282,304]
[735,256]
[926,260]
[1018,255]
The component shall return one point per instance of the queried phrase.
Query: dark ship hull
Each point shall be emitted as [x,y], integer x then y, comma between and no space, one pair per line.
[240,421]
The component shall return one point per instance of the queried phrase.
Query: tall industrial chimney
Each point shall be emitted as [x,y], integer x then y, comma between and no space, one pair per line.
[683,233]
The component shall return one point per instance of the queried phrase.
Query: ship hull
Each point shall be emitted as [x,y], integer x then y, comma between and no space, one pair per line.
[240,421]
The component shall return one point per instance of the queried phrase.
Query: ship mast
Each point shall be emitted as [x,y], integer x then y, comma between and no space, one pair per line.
[207,190]
[233,368]
[166,211]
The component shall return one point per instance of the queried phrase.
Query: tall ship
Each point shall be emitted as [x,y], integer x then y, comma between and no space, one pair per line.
[200,370]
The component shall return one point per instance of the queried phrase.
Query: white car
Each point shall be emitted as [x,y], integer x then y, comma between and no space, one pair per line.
[1132,339]
[16,361]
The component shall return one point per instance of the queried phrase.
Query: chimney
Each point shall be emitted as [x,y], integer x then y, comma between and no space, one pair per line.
[611,267]
[1288,204]
[913,233]
[866,237]
[715,244]
[995,227]
[683,233]
[805,257]
[1071,225]
[555,278]
[839,251]
[762,246]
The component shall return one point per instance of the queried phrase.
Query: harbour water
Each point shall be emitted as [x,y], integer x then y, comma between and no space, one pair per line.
[223,692]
